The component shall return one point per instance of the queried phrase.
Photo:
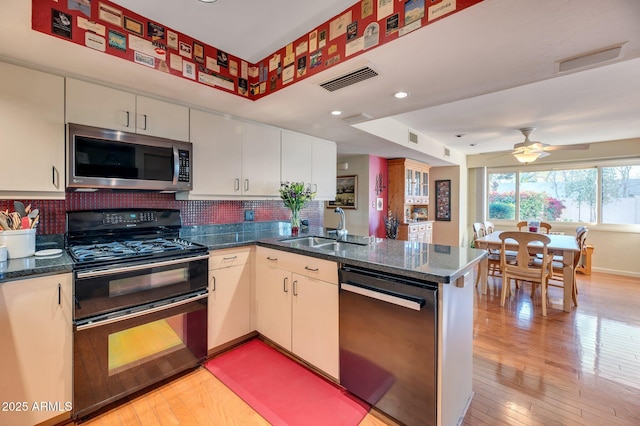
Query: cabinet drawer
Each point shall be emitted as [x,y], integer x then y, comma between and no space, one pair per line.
[229,257]
[275,258]
[320,269]
[308,266]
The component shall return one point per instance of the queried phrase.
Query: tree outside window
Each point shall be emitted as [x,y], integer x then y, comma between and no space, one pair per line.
[567,195]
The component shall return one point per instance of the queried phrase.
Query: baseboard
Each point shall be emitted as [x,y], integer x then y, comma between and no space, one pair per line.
[616,272]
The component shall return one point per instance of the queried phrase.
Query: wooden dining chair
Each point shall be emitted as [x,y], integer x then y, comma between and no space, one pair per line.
[556,279]
[544,227]
[523,268]
[493,258]
[489,226]
[480,231]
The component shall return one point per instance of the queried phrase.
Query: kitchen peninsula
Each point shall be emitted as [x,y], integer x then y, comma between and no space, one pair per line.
[449,269]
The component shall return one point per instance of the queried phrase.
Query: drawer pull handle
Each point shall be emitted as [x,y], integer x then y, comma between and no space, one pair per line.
[230,258]
[273,259]
[311,269]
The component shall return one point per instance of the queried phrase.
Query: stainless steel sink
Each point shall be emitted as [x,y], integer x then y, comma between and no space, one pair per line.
[308,241]
[337,245]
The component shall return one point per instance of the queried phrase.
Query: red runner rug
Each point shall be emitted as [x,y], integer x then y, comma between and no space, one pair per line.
[283,391]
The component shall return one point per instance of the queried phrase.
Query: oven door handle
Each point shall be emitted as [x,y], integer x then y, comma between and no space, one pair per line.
[141,313]
[112,271]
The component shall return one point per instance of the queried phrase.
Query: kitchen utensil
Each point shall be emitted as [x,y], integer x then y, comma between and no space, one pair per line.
[3,221]
[14,222]
[25,223]
[33,213]
[35,221]
[19,207]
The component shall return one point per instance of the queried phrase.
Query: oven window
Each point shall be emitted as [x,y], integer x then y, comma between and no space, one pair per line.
[156,279]
[147,342]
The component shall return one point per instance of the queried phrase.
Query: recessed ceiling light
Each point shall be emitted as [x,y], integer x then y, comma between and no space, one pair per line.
[336,112]
[400,95]
[209,1]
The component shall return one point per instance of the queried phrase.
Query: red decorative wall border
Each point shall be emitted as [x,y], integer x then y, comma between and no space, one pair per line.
[108,27]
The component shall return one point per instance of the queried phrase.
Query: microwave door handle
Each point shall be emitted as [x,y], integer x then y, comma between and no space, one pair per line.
[176,165]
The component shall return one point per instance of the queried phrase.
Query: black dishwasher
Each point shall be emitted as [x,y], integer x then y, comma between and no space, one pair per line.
[388,342]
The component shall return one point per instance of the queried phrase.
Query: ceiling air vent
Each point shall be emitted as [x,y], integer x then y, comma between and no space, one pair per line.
[413,137]
[348,79]
[358,118]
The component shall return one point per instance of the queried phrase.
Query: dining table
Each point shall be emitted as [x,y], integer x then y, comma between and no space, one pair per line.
[565,246]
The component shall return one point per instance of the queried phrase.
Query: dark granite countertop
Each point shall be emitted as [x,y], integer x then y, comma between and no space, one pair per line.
[431,262]
[32,266]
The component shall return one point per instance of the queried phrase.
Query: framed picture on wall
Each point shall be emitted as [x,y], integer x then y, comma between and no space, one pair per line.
[443,200]
[346,193]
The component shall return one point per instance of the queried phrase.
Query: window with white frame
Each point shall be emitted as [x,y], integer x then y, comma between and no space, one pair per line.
[595,194]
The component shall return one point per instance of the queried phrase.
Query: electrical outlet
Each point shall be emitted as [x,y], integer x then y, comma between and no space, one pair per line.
[248,215]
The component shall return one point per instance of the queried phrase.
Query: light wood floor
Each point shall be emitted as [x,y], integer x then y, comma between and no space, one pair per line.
[578,368]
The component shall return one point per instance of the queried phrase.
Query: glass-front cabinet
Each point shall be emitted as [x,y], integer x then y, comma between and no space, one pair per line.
[409,198]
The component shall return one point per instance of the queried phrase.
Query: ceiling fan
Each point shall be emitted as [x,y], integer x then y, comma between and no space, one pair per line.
[529,151]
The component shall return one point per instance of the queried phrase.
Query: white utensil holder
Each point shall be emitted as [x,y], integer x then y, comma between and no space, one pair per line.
[19,243]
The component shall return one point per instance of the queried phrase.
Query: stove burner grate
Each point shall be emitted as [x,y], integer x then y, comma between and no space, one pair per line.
[129,248]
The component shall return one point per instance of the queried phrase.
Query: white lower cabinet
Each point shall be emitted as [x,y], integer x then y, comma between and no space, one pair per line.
[297,306]
[229,295]
[36,355]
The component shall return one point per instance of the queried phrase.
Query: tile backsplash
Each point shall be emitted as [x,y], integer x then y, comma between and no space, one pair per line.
[52,212]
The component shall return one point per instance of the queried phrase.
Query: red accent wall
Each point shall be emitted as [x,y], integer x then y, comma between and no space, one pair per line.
[378,166]
[52,212]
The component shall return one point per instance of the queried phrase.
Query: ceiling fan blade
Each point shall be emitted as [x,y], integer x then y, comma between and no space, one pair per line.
[582,146]
[543,154]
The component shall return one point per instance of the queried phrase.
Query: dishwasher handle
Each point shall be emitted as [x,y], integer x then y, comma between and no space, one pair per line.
[403,300]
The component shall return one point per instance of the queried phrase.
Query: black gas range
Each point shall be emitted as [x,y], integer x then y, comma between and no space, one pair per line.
[140,302]
[106,237]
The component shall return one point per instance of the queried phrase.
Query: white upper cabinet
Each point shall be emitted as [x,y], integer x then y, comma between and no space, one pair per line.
[323,168]
[296,157]
[233,159]
[217,156]
[105,107]
[100,106]
[31,134]
[260,160]
[310,160]
[162,119]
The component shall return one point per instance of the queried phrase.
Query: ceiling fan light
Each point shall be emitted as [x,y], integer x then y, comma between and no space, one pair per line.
[526,157]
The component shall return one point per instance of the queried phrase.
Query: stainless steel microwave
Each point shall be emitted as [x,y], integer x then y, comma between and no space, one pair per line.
[110,159]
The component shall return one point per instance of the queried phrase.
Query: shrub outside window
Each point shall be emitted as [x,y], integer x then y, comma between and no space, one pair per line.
[590,194]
